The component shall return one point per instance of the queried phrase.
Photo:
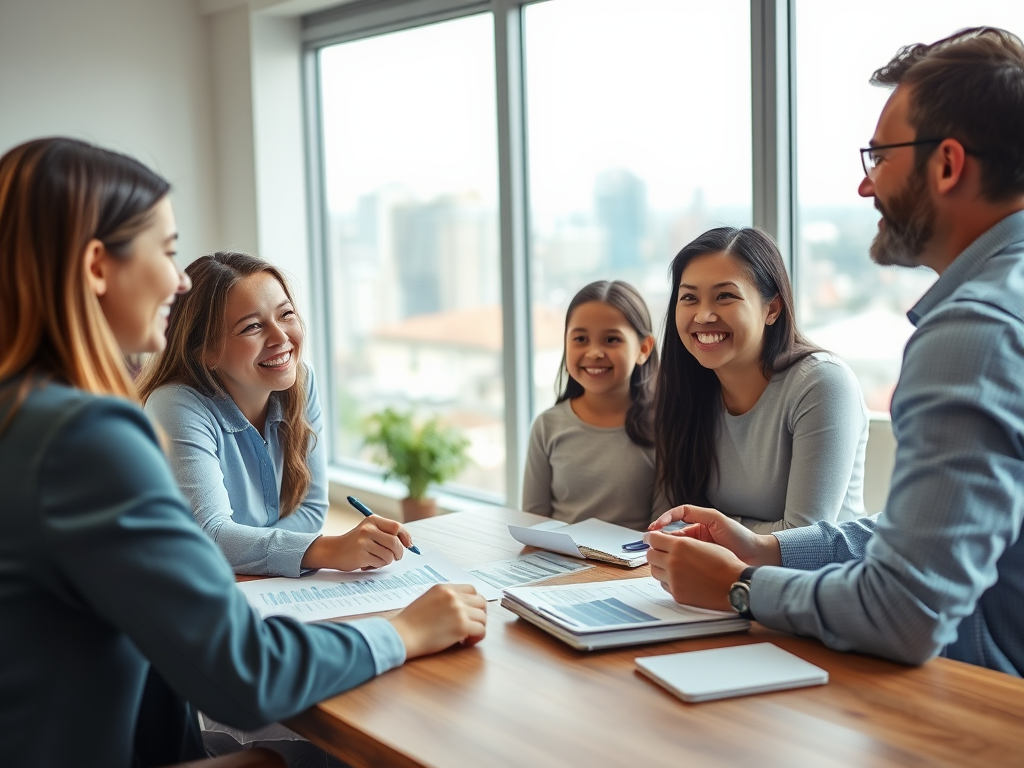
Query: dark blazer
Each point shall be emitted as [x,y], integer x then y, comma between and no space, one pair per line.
[103,571]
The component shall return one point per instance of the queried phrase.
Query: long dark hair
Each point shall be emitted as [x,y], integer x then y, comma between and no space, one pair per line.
[689,396]
[196,330]
[625,298]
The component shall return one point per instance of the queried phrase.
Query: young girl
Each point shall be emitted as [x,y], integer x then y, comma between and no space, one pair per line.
[592,453]
[753,419]
[107,584]
[243,416]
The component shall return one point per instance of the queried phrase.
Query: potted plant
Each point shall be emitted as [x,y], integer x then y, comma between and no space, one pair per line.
[417,455]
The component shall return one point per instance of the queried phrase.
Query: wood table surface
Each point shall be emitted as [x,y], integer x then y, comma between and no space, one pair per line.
[524,698]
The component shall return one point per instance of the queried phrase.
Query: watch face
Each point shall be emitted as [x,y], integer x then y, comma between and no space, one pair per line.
[739,597]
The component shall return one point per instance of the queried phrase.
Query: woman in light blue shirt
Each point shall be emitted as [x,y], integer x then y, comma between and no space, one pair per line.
[245,428]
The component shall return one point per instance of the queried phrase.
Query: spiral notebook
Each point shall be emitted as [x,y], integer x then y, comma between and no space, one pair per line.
[592,539]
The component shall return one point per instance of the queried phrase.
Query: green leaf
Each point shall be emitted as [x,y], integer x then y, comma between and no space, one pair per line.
[416,454]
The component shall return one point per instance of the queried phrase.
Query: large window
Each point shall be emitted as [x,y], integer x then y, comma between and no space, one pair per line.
[481,156]
[845,302]
[410,181]
[632,153]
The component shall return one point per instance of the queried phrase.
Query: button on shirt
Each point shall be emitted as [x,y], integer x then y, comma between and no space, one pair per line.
[232,477]
[941,569]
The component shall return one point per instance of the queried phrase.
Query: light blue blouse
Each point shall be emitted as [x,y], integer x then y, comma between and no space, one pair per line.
[232,477]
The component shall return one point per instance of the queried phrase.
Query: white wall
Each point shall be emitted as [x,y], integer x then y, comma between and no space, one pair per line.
[878,464]
[208,94]
[128,75]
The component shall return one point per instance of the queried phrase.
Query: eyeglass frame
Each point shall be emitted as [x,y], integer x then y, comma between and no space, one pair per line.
[920,142]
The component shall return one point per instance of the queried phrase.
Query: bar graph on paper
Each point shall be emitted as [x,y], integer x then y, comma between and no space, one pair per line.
[333,594]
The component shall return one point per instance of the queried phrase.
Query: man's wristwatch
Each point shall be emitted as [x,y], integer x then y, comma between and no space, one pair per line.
[739,593]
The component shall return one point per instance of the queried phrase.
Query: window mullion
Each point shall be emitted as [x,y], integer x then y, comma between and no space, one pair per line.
[516,316]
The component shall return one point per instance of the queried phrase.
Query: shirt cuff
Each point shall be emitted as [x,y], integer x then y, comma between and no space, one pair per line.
[766,588]
[385,643]
[285,554]
[802,548]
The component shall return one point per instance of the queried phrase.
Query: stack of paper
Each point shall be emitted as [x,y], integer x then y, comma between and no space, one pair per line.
[609,614]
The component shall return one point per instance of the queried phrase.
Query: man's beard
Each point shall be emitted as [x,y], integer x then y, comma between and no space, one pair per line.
[909,225]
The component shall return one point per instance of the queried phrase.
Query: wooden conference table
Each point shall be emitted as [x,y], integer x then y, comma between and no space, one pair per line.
[523,698]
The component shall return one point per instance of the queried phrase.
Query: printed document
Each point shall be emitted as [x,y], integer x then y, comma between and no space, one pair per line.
[526,569]
[329,594]
[609,614]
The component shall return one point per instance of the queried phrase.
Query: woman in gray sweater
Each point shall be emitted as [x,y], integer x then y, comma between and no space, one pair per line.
[750,417]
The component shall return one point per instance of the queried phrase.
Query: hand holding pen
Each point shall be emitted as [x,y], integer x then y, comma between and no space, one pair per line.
[367,512]
[374,543]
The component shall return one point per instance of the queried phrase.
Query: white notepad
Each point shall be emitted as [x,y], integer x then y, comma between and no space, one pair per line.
[740,670]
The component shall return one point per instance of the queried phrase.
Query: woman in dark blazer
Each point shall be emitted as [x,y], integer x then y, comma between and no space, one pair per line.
[103,571]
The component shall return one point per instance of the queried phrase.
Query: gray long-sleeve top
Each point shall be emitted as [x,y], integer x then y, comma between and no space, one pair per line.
[797,457]
[575,471]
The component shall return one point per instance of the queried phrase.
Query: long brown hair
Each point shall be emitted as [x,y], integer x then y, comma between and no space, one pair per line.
[56,196]
[688,402]
[627,299]
[196,330]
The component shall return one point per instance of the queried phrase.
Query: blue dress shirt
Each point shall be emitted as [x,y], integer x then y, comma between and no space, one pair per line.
[941,569]
[232,478]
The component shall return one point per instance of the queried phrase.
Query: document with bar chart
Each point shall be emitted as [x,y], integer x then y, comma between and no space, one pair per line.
[609,614]
[329,594]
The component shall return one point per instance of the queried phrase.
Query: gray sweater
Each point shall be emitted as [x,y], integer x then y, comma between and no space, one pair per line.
[797,456]
[575,471]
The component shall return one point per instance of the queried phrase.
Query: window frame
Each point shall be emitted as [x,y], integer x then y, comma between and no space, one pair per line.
[774,175]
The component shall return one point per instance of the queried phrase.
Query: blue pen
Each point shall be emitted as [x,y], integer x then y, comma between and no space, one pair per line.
[366,511]
[640,546]
[636,546]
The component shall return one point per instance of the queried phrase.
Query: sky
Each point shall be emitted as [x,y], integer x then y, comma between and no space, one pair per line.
[658,87]
[837,108]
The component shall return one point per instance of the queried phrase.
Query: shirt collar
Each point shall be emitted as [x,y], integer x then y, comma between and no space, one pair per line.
[969,263]
[231,418]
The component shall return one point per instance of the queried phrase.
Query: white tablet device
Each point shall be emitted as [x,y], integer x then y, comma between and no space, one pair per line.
[741,670]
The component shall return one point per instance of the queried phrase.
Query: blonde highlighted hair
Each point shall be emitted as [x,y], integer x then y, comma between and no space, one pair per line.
[196,332]
[57,195]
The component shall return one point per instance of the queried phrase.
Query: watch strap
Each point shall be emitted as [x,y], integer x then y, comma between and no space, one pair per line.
[748,573]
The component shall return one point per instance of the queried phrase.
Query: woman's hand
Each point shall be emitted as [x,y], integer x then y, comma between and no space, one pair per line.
[698,564]
[375,542]
[442,616]
[710,525]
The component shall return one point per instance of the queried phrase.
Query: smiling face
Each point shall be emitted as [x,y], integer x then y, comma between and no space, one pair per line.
[602,348]
[720,316]
[138,290]
[262,345]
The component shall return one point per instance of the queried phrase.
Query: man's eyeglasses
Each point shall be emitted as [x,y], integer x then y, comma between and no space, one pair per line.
[869,157]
